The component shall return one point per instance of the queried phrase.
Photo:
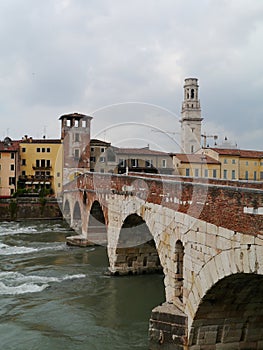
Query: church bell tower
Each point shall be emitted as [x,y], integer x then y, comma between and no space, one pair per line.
[191,117]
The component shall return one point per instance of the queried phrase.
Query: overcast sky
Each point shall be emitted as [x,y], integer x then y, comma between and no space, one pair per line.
[124,62]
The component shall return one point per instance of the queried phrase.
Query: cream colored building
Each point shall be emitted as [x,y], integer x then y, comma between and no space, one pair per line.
[109,159]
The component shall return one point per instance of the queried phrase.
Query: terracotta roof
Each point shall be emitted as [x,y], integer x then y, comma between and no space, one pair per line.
[238,152]
[12,147]
[31,140]
[139,151]
[96,142]
[195,158]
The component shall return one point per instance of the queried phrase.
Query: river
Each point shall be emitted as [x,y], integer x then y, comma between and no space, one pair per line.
[57,297]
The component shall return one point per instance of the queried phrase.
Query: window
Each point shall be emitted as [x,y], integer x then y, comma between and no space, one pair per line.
[59,185]
[261,175]
[102,159]
[12,181]
[43,163]
[92,149]
[255,175]
[214,173]
[23,162]
[192,149]
[225,174]
[23,173]
[233,174]
[206,172]
[48,150]
[23,150]
[225,161]
[12,167]
[233,161]
[164,163]
[261,163]
[246,175]
[38,149]
[93,159]
[76,124]
[246,163]
[37,163]
[76,137]
[102,170]
[68,122]
[196,172]
[256,163]
[76,154]
[149,163]
[48,163]
[58,174]
[134,163]
[43,150]
[12,155]
[187,172]
[84,123]
[102,149]
[122,163]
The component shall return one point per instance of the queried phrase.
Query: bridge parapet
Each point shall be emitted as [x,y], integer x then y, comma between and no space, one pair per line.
[234,205]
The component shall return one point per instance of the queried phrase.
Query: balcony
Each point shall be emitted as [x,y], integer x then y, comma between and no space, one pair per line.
[42,167]
[36,179]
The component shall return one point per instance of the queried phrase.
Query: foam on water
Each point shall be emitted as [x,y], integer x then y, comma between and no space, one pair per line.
[16,250]
[13,283]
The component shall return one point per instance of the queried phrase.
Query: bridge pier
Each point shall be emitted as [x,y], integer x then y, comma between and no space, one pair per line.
[168,328]
[140,259]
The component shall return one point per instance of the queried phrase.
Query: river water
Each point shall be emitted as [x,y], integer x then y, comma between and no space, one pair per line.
[57,297]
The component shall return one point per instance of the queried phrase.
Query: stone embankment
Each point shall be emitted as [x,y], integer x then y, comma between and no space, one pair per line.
[29,208]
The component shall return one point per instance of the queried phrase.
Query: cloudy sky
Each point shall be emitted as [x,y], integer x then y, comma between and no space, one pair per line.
[124,62]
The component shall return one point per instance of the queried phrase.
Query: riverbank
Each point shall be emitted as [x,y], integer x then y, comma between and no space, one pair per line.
[15,209]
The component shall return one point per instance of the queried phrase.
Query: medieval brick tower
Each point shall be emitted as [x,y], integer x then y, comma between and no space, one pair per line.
[75,136]
[191,118]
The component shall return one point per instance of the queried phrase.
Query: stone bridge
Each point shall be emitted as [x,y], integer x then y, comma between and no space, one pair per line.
[205,236]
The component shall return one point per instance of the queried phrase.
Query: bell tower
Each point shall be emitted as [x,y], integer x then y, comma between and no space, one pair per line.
[191,117]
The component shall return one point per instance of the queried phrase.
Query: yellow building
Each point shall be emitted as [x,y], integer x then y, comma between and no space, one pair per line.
[9,165]
[238,164]
[196,165]
[40,165]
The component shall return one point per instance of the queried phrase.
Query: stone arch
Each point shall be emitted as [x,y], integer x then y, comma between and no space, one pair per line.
[77,218]
[96,229]
[136,251]
[230,313]
[66,210]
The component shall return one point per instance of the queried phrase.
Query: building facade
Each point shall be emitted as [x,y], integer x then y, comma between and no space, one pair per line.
[9,167]
[40,165]
[109,159]
[238,164]
[196,165]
